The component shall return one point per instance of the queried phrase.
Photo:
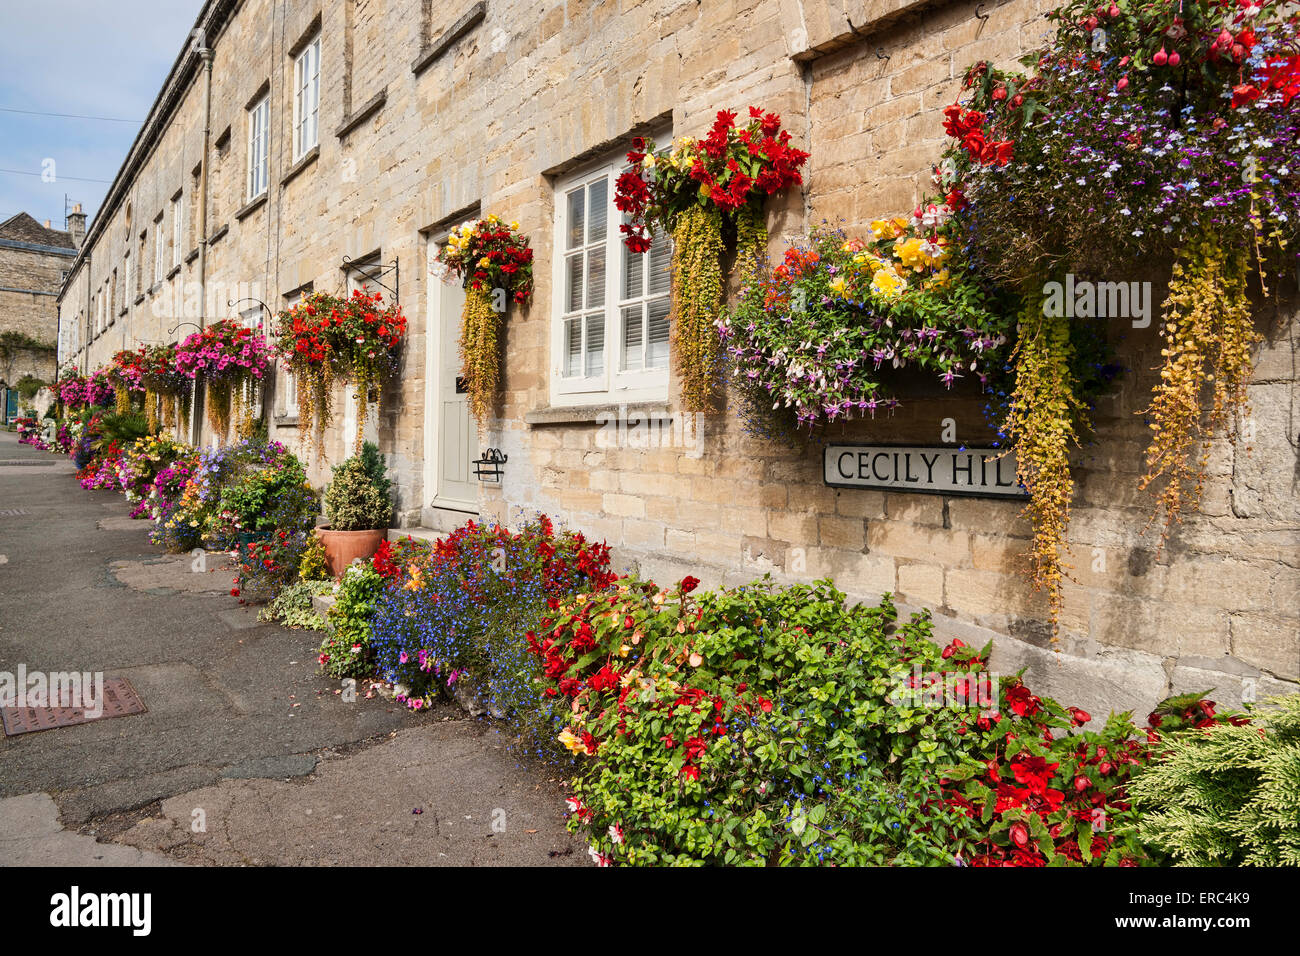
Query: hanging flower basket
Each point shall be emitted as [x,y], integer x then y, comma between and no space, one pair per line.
[125,372]
[165,385]
[79,391]
[814,339]
[495,263]
[326,338]
[231,360]
[1164,135]
[692,190]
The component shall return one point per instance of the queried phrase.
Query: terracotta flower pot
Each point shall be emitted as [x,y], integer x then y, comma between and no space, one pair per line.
[343,547]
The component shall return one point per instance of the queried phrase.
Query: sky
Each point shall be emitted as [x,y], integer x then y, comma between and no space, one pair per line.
[105,58]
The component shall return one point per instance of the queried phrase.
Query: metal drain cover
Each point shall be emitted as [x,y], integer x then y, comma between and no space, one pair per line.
[120,700]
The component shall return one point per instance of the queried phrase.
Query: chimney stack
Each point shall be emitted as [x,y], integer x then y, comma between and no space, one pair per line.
[47,224]
[77,225]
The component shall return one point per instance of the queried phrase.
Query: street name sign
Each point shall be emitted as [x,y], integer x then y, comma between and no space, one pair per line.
[935,470]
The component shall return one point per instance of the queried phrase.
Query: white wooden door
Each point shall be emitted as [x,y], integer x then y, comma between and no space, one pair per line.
[451,433]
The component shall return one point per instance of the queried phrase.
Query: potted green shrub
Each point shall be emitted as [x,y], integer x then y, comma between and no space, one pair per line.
[357,511]
[266,498]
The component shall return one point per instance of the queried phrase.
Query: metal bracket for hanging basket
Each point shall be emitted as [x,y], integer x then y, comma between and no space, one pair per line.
[181,325]
[488,468]
[373,272]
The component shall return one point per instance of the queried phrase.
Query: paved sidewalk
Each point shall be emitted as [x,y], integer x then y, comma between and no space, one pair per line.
[240,723]
[31,835]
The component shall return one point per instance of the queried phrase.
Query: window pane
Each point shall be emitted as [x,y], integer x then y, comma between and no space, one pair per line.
[596,344]
[573,284]
[633,273]
[298,118]
[632,338]
[660,263]
[290,394]
[656,353]
[598,207]
[572,348]
[596,278]
[576,219]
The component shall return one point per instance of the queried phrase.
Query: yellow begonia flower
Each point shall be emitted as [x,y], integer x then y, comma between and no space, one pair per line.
[484,262]
[514,225]
[881,228]
[916,254]
[888,284]
[574,744]
[837,285]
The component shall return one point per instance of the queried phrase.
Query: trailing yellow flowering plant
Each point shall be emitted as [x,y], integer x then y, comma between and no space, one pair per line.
[495,263]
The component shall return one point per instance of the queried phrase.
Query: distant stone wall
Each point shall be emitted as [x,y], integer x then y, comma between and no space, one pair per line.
[29,281]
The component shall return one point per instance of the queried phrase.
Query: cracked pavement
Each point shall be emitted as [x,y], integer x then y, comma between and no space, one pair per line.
[246,755]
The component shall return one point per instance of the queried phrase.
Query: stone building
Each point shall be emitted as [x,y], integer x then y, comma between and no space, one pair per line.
[308,144]
[34,261]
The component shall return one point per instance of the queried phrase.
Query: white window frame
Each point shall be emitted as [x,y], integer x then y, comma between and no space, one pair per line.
[259,154]
[176,232]
[306,99]
[613,385]
[287,390]
[159,251]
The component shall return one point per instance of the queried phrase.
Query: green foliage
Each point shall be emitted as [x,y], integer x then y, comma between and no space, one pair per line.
[28,386]
[778,725]
[12,342]
[292,607]
[1227,795]
[373,462]
[272,497]
[353,501]
[757,728]
[313,566]
[268,566]
[125,428]
[345,652]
